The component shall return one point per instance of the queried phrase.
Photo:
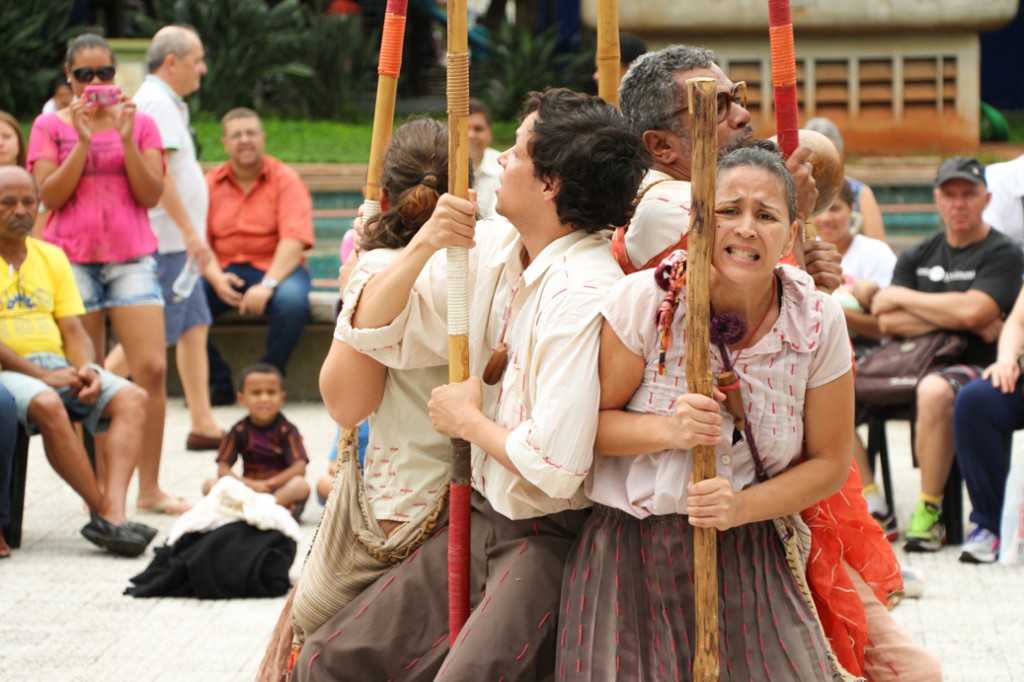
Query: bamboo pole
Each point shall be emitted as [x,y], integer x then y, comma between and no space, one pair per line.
[458,317]
[787,113]
[389,65]
[702,94]
[609,59]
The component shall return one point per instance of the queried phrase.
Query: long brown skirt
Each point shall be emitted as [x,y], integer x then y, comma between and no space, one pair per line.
[628,605]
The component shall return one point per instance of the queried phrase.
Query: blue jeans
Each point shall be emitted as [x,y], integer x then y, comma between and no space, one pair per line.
[982,418]
[8,438]
[288,313]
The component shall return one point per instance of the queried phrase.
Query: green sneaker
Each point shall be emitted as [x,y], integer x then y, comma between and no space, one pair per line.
[926,534]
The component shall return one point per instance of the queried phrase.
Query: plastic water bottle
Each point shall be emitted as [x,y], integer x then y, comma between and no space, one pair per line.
[186,281]
[1011,532]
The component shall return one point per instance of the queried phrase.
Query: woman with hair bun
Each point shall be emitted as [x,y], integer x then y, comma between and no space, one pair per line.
[378,514]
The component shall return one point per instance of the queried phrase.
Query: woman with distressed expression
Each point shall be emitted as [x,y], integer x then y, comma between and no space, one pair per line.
[628,596]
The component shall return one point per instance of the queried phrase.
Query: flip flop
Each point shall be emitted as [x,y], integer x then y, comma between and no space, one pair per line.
[172,506]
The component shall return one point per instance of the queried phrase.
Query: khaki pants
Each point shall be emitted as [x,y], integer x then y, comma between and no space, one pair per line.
[398,627]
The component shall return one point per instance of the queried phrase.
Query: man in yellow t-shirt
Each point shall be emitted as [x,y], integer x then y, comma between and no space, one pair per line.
[49,368]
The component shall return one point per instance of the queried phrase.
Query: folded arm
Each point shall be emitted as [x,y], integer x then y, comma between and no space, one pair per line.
[695,419]
[970,310]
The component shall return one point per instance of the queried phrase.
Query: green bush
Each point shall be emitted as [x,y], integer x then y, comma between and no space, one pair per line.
[523,62]
[252,49]
[345,66]
[286,59]
[32,35]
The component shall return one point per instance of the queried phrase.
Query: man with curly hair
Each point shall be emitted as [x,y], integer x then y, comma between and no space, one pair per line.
[539,276]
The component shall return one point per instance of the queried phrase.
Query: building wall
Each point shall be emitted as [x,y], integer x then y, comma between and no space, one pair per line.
[894,75]
[887,94]
[695,17]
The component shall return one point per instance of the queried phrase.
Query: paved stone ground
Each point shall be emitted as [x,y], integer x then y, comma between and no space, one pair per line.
[63,616]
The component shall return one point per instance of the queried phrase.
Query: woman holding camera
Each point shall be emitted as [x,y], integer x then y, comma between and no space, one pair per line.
[99,166]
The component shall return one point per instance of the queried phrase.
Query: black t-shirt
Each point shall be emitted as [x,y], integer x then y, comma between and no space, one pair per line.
[993,266]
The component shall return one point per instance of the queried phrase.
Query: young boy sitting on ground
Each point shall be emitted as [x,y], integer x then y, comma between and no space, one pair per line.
[273,457]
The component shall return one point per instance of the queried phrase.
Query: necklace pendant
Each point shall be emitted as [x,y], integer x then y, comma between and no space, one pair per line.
[729,384]
[495,368]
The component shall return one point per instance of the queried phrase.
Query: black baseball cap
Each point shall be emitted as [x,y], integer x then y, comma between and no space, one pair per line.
[960,168]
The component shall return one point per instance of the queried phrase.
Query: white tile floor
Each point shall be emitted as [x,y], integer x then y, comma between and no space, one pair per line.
[63,616]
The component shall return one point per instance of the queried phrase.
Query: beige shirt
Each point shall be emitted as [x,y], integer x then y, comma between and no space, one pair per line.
[661,218]
[550,392]
[406,461]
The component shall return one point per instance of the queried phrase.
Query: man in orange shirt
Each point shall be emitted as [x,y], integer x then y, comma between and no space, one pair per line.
[259,224]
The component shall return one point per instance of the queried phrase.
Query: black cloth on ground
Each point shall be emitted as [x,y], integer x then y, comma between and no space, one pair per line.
[236,560]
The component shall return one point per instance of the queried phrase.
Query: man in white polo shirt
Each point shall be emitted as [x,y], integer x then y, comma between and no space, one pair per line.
[485,159]
[1005,211]
[176,65]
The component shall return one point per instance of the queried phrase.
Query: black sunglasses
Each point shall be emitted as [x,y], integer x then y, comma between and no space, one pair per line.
[85,74]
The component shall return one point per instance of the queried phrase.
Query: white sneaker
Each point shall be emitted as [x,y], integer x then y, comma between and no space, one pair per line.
[980,547]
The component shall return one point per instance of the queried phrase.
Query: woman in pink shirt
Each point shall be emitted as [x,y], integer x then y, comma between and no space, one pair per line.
[100,167]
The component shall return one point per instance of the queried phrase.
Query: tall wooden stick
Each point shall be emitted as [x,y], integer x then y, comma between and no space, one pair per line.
[458,317]
[787,109]
[609,59]
[702,94]
[389,65]
[780,28]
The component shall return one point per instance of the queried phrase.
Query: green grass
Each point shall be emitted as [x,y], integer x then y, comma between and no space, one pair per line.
[300,141]
[297,141]
[318,141]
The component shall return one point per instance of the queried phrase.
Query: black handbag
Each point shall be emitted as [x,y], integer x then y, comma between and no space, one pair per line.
[888,375]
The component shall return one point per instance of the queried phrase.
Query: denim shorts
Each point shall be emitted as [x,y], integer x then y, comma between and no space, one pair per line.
[118,285]
[25,388]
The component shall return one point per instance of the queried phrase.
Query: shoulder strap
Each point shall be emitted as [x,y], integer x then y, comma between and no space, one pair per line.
[619,240]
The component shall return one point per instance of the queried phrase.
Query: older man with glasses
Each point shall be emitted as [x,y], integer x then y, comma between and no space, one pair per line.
[653,99]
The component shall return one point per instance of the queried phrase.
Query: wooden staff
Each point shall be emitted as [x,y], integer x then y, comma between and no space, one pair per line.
[389,65]
[458,316]
[787,114]
[702,94]
[609,60]
[780,28]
